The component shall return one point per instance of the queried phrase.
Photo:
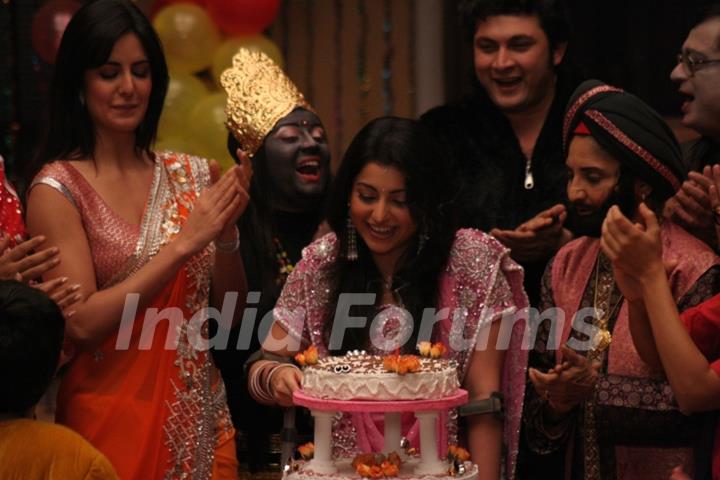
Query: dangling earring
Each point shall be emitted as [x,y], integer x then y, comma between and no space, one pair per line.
[422,238]
[352,252]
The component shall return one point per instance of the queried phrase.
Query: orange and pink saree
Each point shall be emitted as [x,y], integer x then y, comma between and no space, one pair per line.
[154,405]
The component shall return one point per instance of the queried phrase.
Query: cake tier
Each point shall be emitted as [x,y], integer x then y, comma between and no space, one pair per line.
[345,471]
[363,377]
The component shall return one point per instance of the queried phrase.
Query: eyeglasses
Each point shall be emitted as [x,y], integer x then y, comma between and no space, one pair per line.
[692,64]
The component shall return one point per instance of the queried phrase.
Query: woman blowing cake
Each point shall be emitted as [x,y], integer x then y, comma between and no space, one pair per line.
[394,246]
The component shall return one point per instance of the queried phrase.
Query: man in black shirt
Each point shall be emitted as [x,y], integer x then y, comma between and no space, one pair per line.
[506,140]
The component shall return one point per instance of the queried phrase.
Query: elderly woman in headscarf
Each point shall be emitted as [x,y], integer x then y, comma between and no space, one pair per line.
[593,394]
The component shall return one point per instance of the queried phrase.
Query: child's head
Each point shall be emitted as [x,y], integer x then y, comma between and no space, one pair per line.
[31,335]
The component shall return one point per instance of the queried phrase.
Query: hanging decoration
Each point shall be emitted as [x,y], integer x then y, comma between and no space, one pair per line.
[285,28]
[310,53]
[411,38]
[363,81]
[337,73]
[389,53]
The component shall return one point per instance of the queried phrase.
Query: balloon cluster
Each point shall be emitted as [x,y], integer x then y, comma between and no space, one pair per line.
[200,38]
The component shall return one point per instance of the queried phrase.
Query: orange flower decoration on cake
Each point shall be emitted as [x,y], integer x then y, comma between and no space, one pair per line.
[394,458]
[376,465]
[308,357]
[389,469]
[458,453]
[432,350]
[307,451]
[401,364]
[363,459]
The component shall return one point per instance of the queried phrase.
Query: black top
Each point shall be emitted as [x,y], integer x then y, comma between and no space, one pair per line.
[701,152]
[257,422]
[490,165]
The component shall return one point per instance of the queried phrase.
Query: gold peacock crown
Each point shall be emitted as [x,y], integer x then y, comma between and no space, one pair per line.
[258,95]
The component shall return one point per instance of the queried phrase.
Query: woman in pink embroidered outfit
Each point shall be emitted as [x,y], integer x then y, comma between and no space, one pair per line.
[141,233]
[391,213]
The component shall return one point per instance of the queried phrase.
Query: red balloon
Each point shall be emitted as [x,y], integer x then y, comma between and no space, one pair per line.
[48,26]
[242,17]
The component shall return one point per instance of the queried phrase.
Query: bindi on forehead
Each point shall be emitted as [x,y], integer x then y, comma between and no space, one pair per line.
[304,123]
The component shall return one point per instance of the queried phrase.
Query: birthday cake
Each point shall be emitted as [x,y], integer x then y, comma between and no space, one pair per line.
[362,383]
[359,376]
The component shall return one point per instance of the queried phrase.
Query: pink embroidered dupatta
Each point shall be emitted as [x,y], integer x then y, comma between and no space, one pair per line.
[480,279]
[571,271]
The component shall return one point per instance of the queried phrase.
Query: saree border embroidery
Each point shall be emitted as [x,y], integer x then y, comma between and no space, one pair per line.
[198,413]
[191,444]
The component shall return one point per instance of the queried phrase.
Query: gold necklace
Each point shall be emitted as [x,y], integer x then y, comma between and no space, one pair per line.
[603,337]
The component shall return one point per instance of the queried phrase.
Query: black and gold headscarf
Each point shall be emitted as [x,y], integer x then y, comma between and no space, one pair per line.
[629,130]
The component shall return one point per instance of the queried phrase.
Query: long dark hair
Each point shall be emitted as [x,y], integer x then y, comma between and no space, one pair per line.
[256,223]
[87,43]
[411,148]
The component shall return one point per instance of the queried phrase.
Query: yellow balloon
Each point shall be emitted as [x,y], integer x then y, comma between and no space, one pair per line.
[207,121]
[188,35]
[222,58]
[184,92]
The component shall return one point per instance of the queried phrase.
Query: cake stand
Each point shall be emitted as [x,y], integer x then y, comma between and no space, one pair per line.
[324,410]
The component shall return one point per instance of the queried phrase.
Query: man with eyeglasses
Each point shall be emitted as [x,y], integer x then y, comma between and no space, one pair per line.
[697,74]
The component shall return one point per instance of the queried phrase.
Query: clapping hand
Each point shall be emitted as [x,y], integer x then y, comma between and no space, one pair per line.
[634,249]
[568,383]
[538,238]
[22,263]
[691,207]
[218,207]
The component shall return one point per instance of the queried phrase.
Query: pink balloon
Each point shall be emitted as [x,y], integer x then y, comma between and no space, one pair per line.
[242,17]
[48,26]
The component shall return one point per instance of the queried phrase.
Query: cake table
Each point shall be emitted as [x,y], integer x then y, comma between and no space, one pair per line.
[429,465]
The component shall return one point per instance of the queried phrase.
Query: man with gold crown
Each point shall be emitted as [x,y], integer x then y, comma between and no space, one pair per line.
[270,120]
